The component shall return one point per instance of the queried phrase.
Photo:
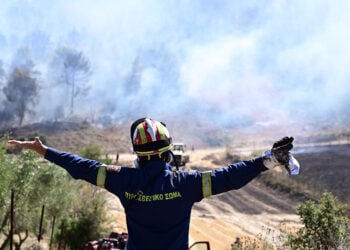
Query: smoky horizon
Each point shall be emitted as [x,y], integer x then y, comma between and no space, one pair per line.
[235,63]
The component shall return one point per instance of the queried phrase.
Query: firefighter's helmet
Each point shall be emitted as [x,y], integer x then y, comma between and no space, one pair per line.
[150,137]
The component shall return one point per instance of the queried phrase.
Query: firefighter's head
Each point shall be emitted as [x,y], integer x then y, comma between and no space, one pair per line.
[150,137]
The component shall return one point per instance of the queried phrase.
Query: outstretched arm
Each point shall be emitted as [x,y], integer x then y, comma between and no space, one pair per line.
[35,145]
[77,167]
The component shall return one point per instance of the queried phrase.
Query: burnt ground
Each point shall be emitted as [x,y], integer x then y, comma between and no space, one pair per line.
[326,168]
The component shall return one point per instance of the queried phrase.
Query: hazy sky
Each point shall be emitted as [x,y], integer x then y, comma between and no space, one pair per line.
[265,61]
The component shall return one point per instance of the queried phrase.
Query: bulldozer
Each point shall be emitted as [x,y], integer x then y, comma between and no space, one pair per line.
[179,151]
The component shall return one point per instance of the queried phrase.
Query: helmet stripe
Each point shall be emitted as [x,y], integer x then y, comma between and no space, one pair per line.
[161,130]
[154,151]
[142,133]
[151,130]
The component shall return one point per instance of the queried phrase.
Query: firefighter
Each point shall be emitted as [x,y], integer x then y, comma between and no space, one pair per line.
[158,200]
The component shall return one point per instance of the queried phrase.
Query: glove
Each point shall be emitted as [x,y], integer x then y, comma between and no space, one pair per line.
[280,150]
[279,155]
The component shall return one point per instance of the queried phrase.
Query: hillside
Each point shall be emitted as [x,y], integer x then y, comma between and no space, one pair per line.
[71,136]
[264,209]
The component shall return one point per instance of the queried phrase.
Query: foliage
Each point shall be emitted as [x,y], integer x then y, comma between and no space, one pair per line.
[94,152]
[72,69]
[37,183]
[21,92]
[6,175]
[251,244]
[325,225]
[91,152]
[88,220]
[34,184]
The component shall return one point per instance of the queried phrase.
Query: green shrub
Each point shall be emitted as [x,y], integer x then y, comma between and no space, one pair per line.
[87,222]
[325,225]
[93,152]
[36,183]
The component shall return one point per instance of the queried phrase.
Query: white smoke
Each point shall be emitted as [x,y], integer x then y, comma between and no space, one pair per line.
[259,61]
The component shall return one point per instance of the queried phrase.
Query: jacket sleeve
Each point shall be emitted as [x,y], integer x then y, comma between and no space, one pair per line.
[77,167]
[234,176]
[202,184]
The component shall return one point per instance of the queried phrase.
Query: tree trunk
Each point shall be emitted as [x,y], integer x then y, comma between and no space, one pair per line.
[21,240]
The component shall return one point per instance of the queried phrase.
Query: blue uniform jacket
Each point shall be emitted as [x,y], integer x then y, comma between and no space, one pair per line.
[157,200]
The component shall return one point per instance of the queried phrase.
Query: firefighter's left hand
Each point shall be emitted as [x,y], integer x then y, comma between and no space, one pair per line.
[281,148]
[280,155]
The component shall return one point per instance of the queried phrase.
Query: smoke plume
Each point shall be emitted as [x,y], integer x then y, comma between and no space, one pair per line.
[237,62]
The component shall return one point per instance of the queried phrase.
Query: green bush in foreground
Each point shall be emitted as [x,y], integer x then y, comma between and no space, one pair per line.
[325,225]
[36,183]
[94,152]
[87,223]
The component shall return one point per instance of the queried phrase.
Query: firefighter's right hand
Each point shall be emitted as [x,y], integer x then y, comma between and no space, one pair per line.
[35,145]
